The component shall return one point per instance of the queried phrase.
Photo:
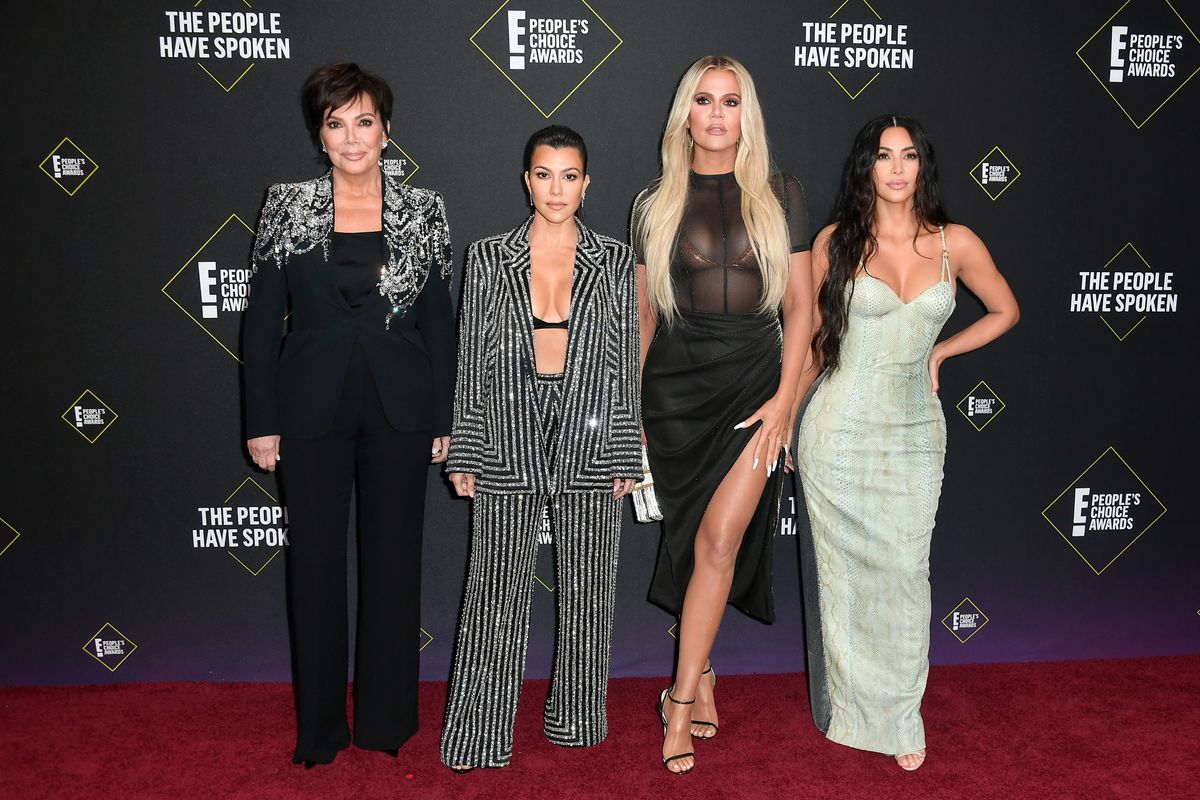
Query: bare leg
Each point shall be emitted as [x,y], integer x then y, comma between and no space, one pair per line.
[717,542]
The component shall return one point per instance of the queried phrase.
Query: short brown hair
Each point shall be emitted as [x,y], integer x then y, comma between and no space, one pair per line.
[335,85]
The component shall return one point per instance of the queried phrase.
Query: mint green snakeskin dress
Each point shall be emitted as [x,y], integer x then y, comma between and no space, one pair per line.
[872,444]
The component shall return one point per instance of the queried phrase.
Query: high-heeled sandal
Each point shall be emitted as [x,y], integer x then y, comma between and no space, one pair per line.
[662,715]
[706,723]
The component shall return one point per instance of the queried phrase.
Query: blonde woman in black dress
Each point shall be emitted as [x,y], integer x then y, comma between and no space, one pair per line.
[723,241]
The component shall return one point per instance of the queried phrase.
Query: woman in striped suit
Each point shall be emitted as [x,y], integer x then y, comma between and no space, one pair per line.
[546,418]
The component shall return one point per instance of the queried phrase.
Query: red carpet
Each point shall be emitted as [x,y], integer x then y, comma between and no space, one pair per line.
[1089,729]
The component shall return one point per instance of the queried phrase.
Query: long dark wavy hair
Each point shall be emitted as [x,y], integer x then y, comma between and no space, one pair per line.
[853,240]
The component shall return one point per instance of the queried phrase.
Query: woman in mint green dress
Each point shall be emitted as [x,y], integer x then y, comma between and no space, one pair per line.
[873,437]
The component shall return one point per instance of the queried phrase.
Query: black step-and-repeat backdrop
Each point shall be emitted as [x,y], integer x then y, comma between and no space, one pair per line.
[137,542]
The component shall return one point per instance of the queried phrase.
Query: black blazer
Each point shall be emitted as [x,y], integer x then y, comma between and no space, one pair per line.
[497,432]
[406,330]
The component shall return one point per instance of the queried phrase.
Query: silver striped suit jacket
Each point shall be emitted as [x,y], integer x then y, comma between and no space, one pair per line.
[497,430]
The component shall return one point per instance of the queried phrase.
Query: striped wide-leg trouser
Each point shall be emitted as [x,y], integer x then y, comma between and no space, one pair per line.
[493,633]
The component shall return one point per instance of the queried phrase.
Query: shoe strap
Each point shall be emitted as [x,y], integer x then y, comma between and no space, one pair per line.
[679,702]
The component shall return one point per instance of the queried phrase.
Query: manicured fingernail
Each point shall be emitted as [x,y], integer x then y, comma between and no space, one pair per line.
[755,464]
[739,426]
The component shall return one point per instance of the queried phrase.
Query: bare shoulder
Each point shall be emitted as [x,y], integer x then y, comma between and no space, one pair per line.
[824,235]
[961,240]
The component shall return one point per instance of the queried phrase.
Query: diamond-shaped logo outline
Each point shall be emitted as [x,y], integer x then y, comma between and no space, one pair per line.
[1103,85]
[50,175]
[979,183]
[99,660]
[1073,483]
[192,258]
[79,430]
[278,550]
[217,80]
[16,534]
[427,641]
[842,86]
[411,160]
[1107,264]
[978,628]
[586,78]
[968,395]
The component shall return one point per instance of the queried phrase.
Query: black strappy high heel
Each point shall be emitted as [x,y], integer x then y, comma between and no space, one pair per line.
[662,715]
[706,723]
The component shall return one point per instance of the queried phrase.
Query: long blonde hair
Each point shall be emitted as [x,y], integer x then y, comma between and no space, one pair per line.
[659,210]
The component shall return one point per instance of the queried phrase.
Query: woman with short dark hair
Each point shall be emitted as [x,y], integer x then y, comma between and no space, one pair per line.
[354,394]
[546,421]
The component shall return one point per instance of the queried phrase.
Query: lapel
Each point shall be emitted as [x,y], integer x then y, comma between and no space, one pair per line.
[518,265]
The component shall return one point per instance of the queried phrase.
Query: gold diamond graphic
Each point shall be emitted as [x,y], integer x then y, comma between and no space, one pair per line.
[1104,85]
[8,535]
[228,88]
[965,409]
[394,166]
[255,484]
[78,425]
[671,630]
[547,113]
[1122,336]
[957,632]
[1007,162]
[1068,537]
[90,647]
[425,638]
[58,181]
[232,218]
[842,86]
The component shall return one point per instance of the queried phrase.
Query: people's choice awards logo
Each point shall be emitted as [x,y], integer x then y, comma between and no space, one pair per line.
[8,536]
[854,46]
[547,49]
[995,172]
[1142,56]
[213,286]
[1104,511]
[1124,292]
[398,164]
[249,525]
[89,416]
[981,405]
[224,38]
[68,166]
[965,620]
[109,647]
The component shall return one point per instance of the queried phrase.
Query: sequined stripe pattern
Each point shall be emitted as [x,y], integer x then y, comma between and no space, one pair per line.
[493,634]
[496,419]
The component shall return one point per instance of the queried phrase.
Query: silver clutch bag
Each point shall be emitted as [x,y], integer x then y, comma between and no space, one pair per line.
[645,501]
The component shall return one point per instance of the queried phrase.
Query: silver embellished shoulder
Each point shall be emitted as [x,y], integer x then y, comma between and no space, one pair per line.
[297,217]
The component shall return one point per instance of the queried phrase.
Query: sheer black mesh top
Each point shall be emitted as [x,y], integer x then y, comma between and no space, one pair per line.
[714,269]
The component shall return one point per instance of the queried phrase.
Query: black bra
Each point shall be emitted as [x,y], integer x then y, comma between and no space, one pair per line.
[562,324]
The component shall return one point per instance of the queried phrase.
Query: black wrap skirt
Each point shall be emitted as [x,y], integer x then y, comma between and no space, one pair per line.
[703,375]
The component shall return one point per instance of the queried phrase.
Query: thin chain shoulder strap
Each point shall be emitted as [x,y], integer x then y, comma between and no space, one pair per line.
[945,254]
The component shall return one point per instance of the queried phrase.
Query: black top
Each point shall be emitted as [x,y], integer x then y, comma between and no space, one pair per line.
[714,269]
[357,258]
[562,324]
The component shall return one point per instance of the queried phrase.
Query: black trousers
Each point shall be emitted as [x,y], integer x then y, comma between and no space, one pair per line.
[390,468]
